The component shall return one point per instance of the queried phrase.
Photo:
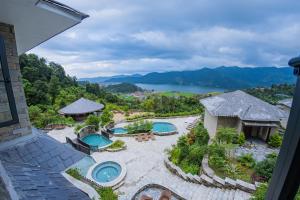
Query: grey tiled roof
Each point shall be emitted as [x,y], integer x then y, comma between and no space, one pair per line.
[81,106]
[32,183]
[34,168]
[43,151]
[242,105]
[286,102]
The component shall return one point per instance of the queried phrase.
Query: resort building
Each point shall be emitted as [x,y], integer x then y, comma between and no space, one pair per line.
[245,113]
[285,105]
[30,161]
[81,108]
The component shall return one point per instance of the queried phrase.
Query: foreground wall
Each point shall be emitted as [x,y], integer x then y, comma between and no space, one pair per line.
[23,127]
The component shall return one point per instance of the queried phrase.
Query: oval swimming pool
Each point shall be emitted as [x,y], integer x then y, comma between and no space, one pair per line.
[106,172]
[119,131]
[163,127]
[96,140]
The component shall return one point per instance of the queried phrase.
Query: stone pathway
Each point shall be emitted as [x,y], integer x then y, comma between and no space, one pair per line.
[259,150]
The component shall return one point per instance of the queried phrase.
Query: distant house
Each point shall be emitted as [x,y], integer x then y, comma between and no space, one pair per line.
[81,108]
[239,110]
[285,105]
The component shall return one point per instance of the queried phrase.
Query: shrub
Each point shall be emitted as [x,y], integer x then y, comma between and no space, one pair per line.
[217,162]
[226,135]
[247,160]
[216,150]
[241,139]
[139,127]
[265,168]
[117,144]
[92,120]
[201,134]
[74,172]
[174,155]
[107,194]
[275,140]
[188,167]
[78,127]
[196,154]
[106,117]
[260,192]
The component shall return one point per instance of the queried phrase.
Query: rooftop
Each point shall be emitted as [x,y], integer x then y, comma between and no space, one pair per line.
[286,102]
[34,166]
[242,105]
[81,106]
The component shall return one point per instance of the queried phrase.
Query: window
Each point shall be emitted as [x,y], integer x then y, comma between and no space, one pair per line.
[8,111]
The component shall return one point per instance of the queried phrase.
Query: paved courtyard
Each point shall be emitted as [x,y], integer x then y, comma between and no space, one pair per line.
[144,163]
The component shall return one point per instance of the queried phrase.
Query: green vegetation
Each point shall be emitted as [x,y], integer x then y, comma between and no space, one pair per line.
[264,168]
[275,140]
[223,163]
[106,117]
[241,139]
[177,94]
[190,149]
[123,88]
[93,120]
[107,194]
[226,135]
[74,172]
[247,160]
[141,126]
[261,191]
[273,94]
[117,144]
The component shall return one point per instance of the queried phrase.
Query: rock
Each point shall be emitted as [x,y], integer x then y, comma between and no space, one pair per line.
[247,187]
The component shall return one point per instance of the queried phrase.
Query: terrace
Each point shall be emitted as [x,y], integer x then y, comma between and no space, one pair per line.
[34,165]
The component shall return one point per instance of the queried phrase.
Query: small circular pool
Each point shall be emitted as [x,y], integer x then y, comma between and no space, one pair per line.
[163,127]
[96,140]
[106,172]
[119,131]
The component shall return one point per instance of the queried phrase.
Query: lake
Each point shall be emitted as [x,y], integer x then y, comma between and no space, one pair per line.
[179,88]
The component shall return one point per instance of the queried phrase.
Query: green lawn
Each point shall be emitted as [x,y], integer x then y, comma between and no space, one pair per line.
[173,94]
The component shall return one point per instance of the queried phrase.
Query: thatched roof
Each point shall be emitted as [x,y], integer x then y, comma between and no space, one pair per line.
[81,106]
[242,105]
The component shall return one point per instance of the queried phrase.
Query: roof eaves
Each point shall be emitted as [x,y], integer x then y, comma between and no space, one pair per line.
[64,8]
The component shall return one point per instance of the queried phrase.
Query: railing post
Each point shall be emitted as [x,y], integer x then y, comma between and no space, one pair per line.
[285,180]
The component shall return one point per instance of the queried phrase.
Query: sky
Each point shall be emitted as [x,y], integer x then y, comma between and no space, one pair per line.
[142,36]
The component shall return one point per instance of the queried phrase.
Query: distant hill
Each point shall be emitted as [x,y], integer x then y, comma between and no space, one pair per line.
[221,77]
[101,79]
[123,88]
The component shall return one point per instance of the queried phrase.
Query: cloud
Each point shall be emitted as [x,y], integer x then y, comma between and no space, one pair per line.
[139,36]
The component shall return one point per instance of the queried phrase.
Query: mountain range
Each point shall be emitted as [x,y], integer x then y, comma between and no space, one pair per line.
[221,77]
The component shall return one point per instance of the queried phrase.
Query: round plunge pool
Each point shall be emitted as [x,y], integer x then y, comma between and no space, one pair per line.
[108,173]
[162,128]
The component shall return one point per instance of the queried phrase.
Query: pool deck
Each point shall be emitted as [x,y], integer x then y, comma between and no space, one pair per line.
[145,164]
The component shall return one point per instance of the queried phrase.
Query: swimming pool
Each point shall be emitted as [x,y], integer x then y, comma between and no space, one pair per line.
[96,141]
[163,127]
[119,131]
[106,172]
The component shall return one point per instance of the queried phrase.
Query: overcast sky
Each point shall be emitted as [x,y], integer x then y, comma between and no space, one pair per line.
[141,36]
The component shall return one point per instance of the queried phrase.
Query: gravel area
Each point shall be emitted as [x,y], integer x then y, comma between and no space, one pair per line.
[259,149]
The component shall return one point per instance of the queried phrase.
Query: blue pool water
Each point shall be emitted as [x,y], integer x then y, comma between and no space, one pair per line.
[96,140]
[83,165]
[119,130]
[161,127]
[106,172]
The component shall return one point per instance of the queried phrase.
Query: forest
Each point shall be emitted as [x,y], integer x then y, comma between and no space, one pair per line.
[48,88]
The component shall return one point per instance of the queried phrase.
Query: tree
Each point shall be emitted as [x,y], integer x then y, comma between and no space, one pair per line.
[54,87]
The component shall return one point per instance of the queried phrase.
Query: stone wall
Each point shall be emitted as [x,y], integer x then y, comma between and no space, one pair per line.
[23,127]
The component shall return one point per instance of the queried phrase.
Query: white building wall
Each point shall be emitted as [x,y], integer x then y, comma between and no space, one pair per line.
[210,123]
